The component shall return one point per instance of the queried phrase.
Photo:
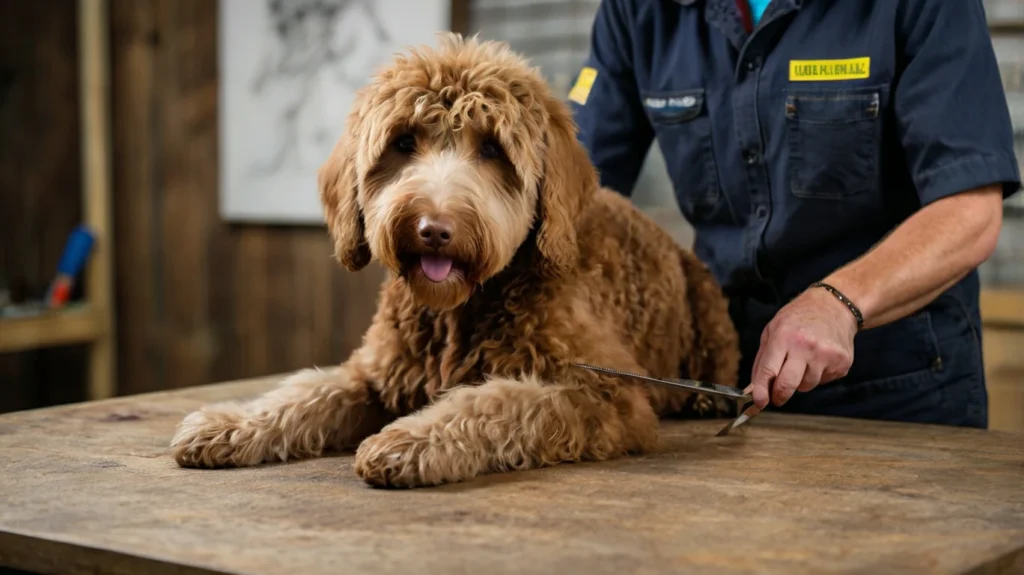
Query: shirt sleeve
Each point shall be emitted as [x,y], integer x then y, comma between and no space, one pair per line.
[606,103]
[949,102]
[950,105]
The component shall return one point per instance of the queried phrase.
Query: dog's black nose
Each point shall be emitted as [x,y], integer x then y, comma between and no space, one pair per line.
[435,232]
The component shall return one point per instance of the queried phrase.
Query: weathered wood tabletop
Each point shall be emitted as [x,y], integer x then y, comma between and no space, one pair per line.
[90,488]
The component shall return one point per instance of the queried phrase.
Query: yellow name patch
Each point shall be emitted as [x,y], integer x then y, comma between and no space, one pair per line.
[829,70]
[584,82]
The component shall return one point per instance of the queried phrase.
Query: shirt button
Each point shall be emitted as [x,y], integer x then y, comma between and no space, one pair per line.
[761,212]
[753,64]
[751,156]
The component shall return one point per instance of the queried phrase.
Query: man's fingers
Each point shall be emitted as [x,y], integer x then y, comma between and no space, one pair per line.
[755,369]
[789,378]
[766,368]
[812,377]
[768,363]
[838,370]
[759,393]
[760,354]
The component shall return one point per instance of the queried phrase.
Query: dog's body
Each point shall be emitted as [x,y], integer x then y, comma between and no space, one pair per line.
[461,173]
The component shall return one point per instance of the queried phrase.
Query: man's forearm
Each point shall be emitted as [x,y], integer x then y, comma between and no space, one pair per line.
[924,256]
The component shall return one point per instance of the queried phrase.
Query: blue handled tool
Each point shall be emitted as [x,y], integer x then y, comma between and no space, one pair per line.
[76,253]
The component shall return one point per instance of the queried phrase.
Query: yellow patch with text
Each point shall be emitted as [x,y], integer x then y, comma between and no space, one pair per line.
[829,70]
[584,82]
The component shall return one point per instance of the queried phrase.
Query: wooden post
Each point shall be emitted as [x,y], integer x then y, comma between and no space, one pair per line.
[94,58]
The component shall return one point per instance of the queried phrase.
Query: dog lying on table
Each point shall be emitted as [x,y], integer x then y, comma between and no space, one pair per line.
[460,172]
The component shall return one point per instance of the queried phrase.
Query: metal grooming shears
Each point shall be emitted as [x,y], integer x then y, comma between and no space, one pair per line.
[733,393]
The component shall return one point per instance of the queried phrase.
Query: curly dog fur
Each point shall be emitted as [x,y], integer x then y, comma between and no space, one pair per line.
[461,173]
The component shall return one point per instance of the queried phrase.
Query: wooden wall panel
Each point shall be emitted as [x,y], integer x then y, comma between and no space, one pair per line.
[201,300]
[40,182]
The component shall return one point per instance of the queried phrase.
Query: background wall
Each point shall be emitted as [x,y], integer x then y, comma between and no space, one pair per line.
[40,181]
[199,300]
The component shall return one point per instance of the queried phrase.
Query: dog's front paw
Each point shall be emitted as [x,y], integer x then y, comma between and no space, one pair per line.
[404,457]
[215,437]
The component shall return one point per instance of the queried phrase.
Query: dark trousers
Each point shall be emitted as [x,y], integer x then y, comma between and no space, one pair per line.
[925,368]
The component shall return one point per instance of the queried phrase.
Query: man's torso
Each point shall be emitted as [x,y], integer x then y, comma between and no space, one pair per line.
[784,148]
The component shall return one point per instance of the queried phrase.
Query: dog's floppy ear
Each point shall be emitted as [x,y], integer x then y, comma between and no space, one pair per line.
[339,184]
[568,183]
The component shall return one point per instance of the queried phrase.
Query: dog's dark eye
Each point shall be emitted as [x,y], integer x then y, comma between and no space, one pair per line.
[491,149]
[406,143]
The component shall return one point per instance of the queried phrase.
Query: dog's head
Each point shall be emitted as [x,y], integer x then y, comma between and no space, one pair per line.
[453,160]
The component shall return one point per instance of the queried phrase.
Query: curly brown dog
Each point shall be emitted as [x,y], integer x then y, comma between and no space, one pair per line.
[461,173]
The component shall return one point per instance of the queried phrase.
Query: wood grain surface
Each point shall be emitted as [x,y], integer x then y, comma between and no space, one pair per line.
[90,488]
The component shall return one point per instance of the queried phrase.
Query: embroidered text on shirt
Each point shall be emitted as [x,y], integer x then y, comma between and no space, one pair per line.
[829,70]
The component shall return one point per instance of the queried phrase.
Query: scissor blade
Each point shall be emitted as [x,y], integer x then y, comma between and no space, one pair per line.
[744,417]
[691,384]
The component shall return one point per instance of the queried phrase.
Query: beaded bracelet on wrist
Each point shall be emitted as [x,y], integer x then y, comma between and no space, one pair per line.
[845,300]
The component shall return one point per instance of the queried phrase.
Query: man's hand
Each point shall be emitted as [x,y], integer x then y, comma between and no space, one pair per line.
[809,342]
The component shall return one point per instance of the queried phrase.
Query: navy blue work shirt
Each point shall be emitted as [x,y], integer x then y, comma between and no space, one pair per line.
[796,147]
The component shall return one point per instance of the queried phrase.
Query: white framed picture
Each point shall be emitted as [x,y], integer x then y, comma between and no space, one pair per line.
[288,72]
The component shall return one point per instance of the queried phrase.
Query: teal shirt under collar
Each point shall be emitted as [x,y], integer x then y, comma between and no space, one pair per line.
[757,8]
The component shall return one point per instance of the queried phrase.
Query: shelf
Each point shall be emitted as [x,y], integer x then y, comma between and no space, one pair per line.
[1003,307]
[1006,27]
[72,326]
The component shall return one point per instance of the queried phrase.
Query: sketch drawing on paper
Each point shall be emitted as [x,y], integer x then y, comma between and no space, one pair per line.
[289,71]
[302,47]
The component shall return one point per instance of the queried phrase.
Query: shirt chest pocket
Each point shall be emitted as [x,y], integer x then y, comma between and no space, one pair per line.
[683,130]
[834,142]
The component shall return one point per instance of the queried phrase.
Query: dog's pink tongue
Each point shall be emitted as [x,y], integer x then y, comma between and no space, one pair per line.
[436,268]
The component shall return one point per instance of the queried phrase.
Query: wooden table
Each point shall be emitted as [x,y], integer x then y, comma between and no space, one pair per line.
[90,488]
